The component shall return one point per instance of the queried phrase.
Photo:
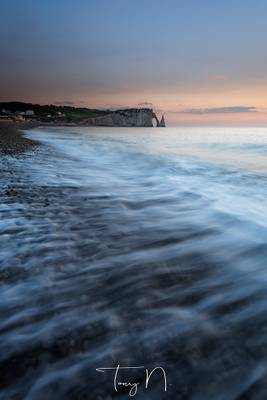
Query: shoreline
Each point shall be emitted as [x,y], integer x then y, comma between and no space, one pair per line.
[12,140]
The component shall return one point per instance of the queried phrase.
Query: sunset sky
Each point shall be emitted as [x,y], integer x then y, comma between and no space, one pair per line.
[199,62]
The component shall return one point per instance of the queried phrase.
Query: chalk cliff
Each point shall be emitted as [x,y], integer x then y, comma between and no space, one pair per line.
[139,117]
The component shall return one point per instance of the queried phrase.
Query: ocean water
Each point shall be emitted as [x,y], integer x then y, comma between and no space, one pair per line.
[135,247]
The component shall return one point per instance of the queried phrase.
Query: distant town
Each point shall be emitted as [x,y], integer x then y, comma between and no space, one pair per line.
[19,111]
[26,115]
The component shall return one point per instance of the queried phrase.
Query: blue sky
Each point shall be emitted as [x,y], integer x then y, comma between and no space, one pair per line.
[178,55]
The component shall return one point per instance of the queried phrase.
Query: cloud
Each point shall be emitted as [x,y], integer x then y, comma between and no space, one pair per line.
[218,110]
[65,103]
[146,104]
[69,103]
[114,107]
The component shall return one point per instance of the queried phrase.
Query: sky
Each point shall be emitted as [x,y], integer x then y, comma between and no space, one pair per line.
[198,62]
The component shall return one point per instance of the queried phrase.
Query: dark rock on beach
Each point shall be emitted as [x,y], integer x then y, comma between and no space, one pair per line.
[12,141]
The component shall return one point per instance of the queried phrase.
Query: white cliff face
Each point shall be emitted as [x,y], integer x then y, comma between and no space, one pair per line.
[142,117]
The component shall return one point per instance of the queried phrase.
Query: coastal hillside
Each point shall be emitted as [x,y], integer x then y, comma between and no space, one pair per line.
[54,114]
[48,113]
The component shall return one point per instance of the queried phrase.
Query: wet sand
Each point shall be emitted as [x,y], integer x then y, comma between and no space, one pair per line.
[12,141]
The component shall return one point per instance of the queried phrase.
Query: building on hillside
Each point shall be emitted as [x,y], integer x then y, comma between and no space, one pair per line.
[6,112]
[60,114]
[29,113]
[19,117]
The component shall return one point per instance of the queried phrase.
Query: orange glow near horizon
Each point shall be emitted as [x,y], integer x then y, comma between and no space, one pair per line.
[175,102]
[232,119]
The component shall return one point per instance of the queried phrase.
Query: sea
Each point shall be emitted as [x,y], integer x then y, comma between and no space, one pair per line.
[133,263]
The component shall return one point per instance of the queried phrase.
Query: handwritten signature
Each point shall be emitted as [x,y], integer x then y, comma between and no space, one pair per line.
[133,386]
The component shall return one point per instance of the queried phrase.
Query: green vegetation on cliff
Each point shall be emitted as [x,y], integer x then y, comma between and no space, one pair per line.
[48,112]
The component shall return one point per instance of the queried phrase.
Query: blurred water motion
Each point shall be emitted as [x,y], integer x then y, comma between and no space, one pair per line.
[135,247]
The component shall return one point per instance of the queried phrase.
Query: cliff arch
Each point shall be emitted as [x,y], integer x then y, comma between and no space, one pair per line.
[129,117]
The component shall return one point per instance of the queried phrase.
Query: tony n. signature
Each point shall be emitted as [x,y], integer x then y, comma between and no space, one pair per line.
[133,386]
